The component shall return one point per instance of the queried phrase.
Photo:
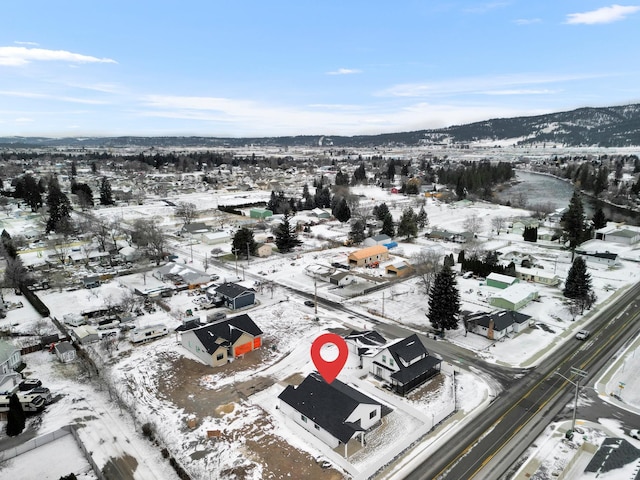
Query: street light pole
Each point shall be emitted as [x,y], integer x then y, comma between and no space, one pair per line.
[579,374]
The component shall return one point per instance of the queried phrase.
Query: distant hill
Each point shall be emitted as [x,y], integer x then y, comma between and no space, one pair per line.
[601,127]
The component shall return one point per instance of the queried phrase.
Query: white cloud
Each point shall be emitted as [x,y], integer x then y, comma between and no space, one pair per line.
[610,14]
[23,120]
[31,44]
[527,21]
[18,56]
[478,85]
[344,71]
[523,91]
[62,98]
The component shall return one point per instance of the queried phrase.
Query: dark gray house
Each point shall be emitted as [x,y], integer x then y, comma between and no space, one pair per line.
[236,296]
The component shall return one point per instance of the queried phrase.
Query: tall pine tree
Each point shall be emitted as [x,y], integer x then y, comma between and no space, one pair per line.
[599,220]
[106,197]
[573,224]
[578,284]
[444,301]
[388,228]
[408,225]
[286,236]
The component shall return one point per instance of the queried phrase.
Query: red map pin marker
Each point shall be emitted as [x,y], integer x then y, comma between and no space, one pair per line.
[329,370]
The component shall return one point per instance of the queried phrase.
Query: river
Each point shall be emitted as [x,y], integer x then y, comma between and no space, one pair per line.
[539,189]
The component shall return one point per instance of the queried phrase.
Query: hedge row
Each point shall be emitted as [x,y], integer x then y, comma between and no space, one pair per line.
[35,301]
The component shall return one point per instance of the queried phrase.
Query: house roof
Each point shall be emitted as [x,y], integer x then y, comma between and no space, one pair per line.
[606,255]
[189,325]
[64,347]
[498,277]
[368,252]
[381,238]
[501,320]
[196,227]
[407,349]
[406,374]
[613,453]
[369,338]
[624,233]
[327,405]
[232,290]
[226,331]
[339,275]
[6,350]
[515,293]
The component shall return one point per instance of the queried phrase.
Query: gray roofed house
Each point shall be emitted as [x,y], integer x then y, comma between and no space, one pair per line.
[405,364]
[497,325]
[334,412]
[217,342]
[65,352]
[380,239]
[10,357]
[236,296]
[365,343]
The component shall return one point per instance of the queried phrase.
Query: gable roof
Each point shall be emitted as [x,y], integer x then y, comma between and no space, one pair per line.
[613,453]
[232,290]
[413,371]
[368,252]
[407,349]
[366,338]
[6,350]
[327,405]
[64,347]
[225,332]
[501,320]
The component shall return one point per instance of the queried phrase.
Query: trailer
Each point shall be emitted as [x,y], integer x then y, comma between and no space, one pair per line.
[31,403]
[145,334]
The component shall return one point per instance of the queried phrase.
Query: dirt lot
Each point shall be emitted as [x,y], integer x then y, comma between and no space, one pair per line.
[183,387]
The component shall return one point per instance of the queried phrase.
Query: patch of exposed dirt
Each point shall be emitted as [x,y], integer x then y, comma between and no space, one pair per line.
[430,388]
[180,383]
[121,468]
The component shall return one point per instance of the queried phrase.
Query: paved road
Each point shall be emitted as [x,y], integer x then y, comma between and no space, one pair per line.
[516,417]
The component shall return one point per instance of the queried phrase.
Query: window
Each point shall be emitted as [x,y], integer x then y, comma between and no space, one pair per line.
[303,418]
[316,426]
[391,362]
[372,414]
[384,359]
[220,356]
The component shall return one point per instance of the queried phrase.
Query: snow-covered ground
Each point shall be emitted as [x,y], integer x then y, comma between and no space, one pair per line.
[240,401]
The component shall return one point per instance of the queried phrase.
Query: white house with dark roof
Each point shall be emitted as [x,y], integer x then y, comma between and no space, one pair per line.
[497,325]
[333,412]
[404,364]
[602,258]
[537,275]
[217,343]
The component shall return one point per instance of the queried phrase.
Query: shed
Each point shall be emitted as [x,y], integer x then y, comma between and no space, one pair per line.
[514,297]
[399,268]
[85,334]
[65,352]
[236,296]
[260,213]
[264,250]
[498,280]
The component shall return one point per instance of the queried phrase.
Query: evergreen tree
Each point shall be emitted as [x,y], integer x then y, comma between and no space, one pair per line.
[391,170]
[342,178]
[422,220]
[461,256]
[359,175]
[106,197]
[15,417]
[444,301]
[323,197]
[578,284]
[572,222]
[59,208]
[74,169]
[408,225]
[243,243]
[380,211]
[388,228]
[342,211]
[599,220]
[286,236]
[29,190]
[356,234]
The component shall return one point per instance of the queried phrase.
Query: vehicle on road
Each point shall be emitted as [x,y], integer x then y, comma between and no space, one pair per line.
[309,303]
[583,334]
[634,434]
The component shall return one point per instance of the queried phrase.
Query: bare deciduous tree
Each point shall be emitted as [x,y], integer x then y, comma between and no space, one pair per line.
[498,224]
[427,264]
[186,211]
[473,224]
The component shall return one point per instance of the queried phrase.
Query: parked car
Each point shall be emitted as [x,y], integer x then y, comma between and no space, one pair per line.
[634,434]
[29,384]
[309,303]
[583,334]
[44,392]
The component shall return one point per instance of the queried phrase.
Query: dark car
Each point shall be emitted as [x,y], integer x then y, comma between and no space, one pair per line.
[309,303]
[29,384]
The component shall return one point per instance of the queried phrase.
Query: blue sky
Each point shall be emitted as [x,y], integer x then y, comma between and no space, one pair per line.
[270,67]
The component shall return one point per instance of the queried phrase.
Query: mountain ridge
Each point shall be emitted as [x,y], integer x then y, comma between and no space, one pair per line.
[617,126]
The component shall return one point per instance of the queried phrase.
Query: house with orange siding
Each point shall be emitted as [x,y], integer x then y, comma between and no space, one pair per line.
[217,343]
[365,256]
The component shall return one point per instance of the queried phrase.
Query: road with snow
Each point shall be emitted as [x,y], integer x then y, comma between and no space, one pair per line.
[495,439]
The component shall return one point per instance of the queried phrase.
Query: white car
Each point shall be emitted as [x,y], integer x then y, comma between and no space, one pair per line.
[583,334]
[634,434]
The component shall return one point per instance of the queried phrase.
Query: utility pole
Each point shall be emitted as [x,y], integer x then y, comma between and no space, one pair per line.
[315,296]
[248,253]
[579,374]
[383,304]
